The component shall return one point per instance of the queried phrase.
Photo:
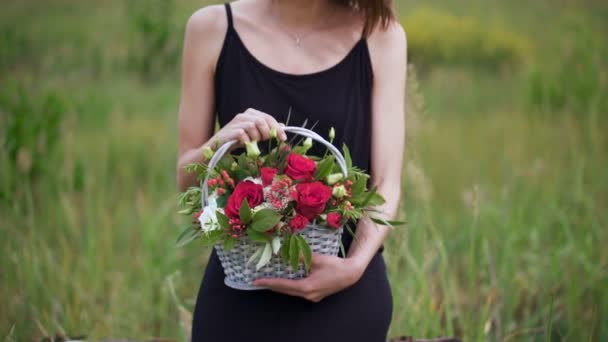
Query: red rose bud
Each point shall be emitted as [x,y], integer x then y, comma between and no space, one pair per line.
[334,219]
[311,198]
[298,222]
[300,167]
[249,190]
[268,174]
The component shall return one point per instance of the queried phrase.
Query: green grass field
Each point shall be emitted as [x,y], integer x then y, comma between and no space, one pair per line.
[506,200]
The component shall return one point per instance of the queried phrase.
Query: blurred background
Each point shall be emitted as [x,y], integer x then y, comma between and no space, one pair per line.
[505,181]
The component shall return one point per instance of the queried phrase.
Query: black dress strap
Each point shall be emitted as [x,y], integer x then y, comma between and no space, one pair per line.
[229,14]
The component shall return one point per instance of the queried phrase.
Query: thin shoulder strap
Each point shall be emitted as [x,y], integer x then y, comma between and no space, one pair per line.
[229,14]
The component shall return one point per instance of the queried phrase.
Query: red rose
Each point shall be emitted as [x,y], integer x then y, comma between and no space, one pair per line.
[268,174]
[246,189]
[300,167]
[333,219]
[311,198]
[298,222]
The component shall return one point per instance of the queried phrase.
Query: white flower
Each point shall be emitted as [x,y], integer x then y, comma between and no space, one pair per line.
[255,180]
[208,218]
[339,191]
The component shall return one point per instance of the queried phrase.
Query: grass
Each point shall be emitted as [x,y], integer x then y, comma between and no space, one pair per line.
[506,206]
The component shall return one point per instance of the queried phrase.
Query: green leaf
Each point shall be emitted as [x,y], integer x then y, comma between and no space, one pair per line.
[373,198]
[265,219]
[187,235]
[387,222]
[256,236]
[265,258]
[285,249]
[213,237]
[342,249]
[294,252]
[347,157]
[359,185]
[324,167]
[305,250]
[225,162]
[376,200]
[245,212]
[223,200]
[229,244]
[222,220]
[186,211]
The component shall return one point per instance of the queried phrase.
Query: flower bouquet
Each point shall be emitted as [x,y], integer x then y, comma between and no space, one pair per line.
[266,215]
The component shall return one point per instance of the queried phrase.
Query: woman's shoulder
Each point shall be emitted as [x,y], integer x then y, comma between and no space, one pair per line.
[388,46]
[208,22]
[205,33]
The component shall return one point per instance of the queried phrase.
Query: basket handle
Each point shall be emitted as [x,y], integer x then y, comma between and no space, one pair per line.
[217,156]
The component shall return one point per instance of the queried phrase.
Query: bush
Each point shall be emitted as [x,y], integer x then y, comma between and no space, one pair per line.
[154,48]
[575,81]
[439,38]
[30,125]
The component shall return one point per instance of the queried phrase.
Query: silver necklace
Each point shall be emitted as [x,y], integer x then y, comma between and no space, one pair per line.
[299,37]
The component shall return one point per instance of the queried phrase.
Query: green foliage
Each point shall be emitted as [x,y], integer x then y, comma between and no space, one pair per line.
[265,219]
[31,128]
[577,80]
[154,49]
[15,48]
[245,212]
[438,38]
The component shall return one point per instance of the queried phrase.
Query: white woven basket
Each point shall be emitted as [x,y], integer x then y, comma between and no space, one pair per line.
[322,239]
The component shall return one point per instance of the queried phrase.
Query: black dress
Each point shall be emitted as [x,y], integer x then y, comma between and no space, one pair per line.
[338,97]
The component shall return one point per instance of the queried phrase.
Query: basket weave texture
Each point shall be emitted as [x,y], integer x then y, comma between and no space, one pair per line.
[322,240]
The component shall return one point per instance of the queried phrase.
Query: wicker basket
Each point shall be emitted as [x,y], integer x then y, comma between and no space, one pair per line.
[322,239]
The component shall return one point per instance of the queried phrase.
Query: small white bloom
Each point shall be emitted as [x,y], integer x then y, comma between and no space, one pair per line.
[252,149]
[334,178]
[255,180]
[339,191]
[208,218]
[307,144]
[208,152]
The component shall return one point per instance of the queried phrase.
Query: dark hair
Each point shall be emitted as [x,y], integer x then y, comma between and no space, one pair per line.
[376,12]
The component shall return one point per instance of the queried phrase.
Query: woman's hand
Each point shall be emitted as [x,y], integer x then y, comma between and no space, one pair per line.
[328,275]
[251,125]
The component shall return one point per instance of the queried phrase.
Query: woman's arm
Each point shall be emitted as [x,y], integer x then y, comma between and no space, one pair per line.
[388,51]
[203,41]
[202,44]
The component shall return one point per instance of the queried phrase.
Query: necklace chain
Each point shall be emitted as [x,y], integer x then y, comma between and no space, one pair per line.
[299,37]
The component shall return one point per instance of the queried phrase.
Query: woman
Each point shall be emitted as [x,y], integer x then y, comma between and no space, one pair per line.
[333,63]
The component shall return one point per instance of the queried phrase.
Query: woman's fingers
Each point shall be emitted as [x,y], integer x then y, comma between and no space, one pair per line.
[253,125]
[270,122]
